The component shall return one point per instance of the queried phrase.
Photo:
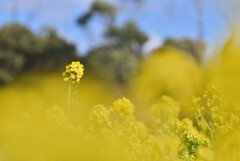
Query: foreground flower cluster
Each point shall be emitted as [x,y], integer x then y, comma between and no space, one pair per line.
[178,116]
[114,132]
[167,137]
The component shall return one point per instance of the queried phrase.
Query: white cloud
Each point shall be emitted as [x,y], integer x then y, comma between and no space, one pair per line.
[154,42]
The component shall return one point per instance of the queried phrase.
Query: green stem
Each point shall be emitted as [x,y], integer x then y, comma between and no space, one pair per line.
[69,99]
[212,138]
[212,103]
[204,120]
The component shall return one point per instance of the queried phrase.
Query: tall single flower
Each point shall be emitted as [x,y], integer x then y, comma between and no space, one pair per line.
[72,74]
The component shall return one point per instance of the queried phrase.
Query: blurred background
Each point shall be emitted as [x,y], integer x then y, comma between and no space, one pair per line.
[158,54]
[140,49]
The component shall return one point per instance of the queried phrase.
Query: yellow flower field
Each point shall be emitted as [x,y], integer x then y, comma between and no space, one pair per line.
[173,110]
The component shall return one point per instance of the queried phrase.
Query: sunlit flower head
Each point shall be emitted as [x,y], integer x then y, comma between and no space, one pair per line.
[74,72]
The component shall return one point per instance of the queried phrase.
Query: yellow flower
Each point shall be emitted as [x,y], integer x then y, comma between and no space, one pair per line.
[66,79]
[74,72]
[125,108]
[100,115]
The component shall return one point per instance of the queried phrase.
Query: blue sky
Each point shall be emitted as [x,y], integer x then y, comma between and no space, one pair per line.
[158,18]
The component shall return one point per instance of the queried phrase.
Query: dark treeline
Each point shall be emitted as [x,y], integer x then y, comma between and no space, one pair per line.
[21,50]
[115,60]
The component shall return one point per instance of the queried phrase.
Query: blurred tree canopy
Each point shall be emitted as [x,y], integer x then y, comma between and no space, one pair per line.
[21,49]
[121,53]
[128,35]
[98,7]
[112,64]
[116,60]
[54,53]
[186,45]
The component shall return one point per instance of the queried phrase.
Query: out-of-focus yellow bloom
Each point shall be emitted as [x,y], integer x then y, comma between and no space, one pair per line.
[164,114]
[166,108]
[167,73]
[100,115]
[74,72]
[125,108]
[205,154]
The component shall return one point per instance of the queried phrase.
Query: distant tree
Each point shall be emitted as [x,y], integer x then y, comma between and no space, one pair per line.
[112,64]
[20,50]
[128,35]
[185,45]
[19,39]
[10,65]
[16,43]
[55,52]
[120,54]
[105,10]
[116,60]
[98,7]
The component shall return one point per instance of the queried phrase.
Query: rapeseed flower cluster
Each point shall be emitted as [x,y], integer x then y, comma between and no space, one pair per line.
[209,116]
[191,139]
[118,126]
[166,130]
[101,115]
[74,72]
[164,114]
[124,108]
